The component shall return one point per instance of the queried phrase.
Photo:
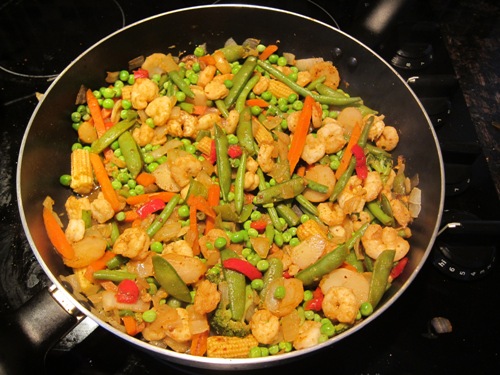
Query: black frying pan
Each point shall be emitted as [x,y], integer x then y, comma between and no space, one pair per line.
[45,149]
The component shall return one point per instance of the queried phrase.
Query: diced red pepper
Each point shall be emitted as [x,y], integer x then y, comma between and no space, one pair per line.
[242,266]
[149,207]
[316,302]
[234,151]
[287,275]
[141,73]
[259,225]
[128,292]
[361,168]
[399,268]
[213,153]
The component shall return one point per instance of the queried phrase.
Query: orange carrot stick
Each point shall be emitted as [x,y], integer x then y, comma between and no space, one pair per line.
[97,265]
[145,179]
[201,204]
[212,200]
[193,228]
[257,102]
[95,112]
[130,325]
[346,157]
[103,179]
[130,216]
[268,51]
[299,137]
[199,343]
[56,234]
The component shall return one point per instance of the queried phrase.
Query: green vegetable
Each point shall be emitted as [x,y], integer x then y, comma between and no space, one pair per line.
[111,135]
[163,216]
[244,131]
[379,280]
[291,218]
[274,272]
[236,286]
[223,164]
[242,97]
[170,280]
[176,77]
[114,275]
[279,192]
[240,79]
[239,184]
[233,52]
[223,323]
[131,153]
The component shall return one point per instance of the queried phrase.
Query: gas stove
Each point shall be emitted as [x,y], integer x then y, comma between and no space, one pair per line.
[458,280]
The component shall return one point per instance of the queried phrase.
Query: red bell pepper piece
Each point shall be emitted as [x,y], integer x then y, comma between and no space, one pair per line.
[316,302]
[234,151]
[128,292]
[398,268]
[259,225]
[141,73]
[242,266]
[149,207]
[361,168]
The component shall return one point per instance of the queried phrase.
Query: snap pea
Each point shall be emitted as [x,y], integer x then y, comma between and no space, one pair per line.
[239,184]
[113,275]
[221,106]
[236,286]
[271,211]
[111,135]
[380,275]
[240,79]
[279,192]
[176,77]
[131,153]
[244,131]
[354,261]
[307,205]
[223,164]
[242,97]
[170,280]
[163,216]
[284,211]
[233,52]
[274,272]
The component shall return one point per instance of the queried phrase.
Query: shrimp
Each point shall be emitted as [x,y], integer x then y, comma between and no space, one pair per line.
[76,226]
[206,298]
[133,243]
[75,230]
[400,212]
[210,252]
[181,247]
[332,136]
[252,181]
[261,85]
[159,109]
[377,239]
[164,178]
[231,122]
[314,149]
[360,219]
[143,134]
[331,213]
[373,185]
[207,121]
[317,115]
[184,167]
[326,68]
[309,335]
[353,197]
[303,78]
[143,91]
[377,128]
[264,157]
[292,120]
[189,125]
[265,326]
[340,304]
[101,209]
[179,331]
[215,90]
[389,139]
[206,75]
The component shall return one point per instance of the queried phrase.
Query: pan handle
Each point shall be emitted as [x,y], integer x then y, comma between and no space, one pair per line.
[28,333]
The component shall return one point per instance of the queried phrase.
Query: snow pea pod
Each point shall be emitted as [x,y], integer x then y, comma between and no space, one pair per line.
[381,270]
[274,272]
[242,97]
[111,135]
[176,77]
[240,79]
[239,184]
[236,285]
[244,131]
[131,153]
[170,280]
[223,163]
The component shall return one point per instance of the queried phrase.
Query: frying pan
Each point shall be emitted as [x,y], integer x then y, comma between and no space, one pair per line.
[44,156]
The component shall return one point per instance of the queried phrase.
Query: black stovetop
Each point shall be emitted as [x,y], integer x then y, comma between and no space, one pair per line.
[39,40]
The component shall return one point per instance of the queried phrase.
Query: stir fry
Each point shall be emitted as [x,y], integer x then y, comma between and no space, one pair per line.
[233,203]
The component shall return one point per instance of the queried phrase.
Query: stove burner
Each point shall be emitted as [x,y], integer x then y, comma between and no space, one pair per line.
[51,33]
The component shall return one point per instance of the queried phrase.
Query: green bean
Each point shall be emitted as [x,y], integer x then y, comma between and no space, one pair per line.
[236,286]
[115,231]
[375,208]
[240,79]
[221,106]
[271,211]
[116,261]
[176,77]
[312,86]
[339,96]
[187,107]
[291,218]
[114,275]
[170,280]
[244,131]
[316,186]
[223,163]
[379,280]
[87,218]
[282,191]
[242,97]
[269,233]
[163,216]
[341,102]
[354,261]
[307,205]
[328,91]
[239,184]
[357,235]
[131,153]
[111,135]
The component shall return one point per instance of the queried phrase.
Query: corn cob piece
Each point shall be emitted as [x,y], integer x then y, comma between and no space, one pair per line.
[279,89]
[262,135]
[230,347]
[310,228]
[205,145]
[82,179]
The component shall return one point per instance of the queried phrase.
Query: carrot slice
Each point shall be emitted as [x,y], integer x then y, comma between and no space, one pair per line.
[199,343]
[268,51]
[257,102]
[103,179]
[299,137]
[145,179]
[346,157]
[212,200]
[56,234]
[130,325]
[95,112]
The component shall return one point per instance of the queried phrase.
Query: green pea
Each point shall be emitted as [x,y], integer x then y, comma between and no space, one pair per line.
[293,76]
[255,215]
[228,83]
[309,314]
[152,167]
[120,216]
[308,295]
[278,238]
[298,105]
[263,265]
[183,211]
[280,292]
[255,110]
[139,189]
[246,252]
[273,59]
[287,237]
[254,352]
[132,183]
[65,180]
[257,284]
[149,316]
[220,243]
[261,48]
[232,139]
[108,103]
[180,96]
[294,241]
[173,302]
[281,61]
[327,329]
[157,247]
[76,146]
[117,185]
[150,122]
[264,351]
[124,75]
[76,117]
[366,309]
[199,51]
[252,233]
[237,237]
